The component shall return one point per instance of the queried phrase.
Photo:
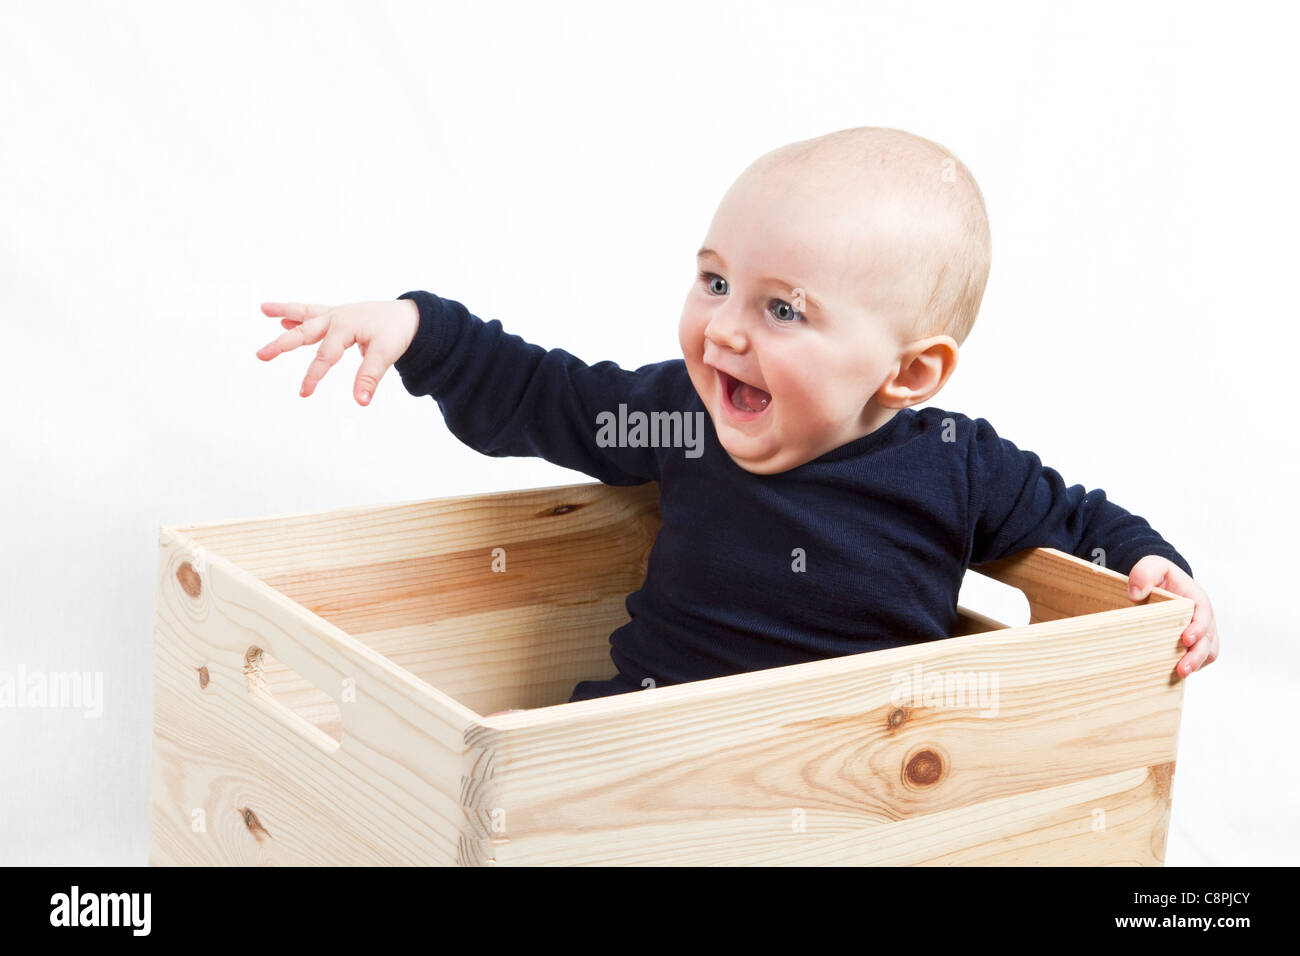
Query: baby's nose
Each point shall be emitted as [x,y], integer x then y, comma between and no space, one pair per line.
[726,330]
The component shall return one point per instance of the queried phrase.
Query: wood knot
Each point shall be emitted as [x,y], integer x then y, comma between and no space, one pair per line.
[898,716]
[559,510]
[924,768]
[189,579]
[203,677]
[253,824]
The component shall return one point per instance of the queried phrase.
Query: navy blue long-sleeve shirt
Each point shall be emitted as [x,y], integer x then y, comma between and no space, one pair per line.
[859,549]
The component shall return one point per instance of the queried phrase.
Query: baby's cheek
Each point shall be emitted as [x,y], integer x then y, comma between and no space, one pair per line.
[690,335]
[805,410]
[814,393]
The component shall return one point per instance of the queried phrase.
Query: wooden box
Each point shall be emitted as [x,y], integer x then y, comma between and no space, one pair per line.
[321,681]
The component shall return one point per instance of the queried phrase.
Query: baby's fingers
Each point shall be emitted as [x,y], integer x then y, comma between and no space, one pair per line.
[293,312]
[307,332]
[330,351]
[1203,652]
[373,367]
[1201,635]
[1202,622]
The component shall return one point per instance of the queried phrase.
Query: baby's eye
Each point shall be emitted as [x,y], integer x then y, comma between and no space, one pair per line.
[716,284]
[785,313]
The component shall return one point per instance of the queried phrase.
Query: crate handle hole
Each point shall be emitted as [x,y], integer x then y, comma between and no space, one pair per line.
[298,701]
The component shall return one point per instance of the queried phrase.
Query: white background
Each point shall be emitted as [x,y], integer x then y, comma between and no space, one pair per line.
[167,167]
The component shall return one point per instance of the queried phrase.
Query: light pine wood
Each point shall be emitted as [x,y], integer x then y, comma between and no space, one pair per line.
[1060,585]
[272,787]
[320,679]
[415,582]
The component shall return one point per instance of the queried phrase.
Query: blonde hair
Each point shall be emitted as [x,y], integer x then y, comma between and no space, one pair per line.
[943,187]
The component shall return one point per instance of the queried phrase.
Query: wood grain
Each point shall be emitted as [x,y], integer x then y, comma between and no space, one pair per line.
[320,679]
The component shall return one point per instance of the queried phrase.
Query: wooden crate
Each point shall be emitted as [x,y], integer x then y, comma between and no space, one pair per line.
[320,681]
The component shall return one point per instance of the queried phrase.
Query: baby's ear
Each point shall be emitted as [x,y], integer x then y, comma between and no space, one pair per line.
[923,369]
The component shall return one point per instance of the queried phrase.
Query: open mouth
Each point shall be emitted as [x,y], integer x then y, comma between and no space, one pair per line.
[742,399]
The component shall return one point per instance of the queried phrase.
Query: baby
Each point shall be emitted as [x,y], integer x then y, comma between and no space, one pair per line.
[813,512]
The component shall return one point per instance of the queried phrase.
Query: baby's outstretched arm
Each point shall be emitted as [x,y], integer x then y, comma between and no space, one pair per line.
[507,397]
[500,395]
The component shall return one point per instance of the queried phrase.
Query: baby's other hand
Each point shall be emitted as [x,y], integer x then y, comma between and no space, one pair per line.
[383,331]
[1202,634]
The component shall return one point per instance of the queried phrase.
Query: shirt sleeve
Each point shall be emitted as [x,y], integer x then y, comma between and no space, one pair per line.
[505,397]
[1017,503]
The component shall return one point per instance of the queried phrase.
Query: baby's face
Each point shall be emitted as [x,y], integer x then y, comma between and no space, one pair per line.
[797,318]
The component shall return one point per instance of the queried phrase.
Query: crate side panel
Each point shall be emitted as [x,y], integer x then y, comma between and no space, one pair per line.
[500,601]
[1118,819]
[413,531]
[857,743]
[1115,826]
[513,657]
[1059,585]
[267,791]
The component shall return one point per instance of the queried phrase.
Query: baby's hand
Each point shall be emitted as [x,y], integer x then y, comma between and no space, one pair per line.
[383,331]
[1202,634]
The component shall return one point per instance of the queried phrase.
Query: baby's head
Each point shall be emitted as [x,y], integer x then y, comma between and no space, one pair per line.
[837,279]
